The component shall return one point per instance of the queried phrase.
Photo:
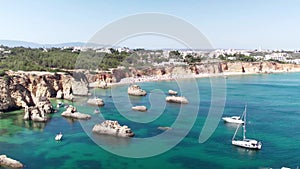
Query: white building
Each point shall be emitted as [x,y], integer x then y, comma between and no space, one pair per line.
[277,56]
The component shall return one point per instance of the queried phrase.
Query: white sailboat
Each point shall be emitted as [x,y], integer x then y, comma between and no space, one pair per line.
[245,143]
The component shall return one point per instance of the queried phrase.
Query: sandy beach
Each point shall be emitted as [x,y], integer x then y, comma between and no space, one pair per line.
[154,78]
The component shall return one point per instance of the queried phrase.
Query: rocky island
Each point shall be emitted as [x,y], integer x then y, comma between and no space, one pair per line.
[177,99]
[71,112]
[110,127]
[8,162]
[139,108]
[136,90]
[38,113]
[96,101]
[172,92]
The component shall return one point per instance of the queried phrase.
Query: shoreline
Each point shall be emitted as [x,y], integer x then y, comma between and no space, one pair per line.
[160,78]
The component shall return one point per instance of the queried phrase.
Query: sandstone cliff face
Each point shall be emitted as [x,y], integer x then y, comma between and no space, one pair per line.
[206,68]
[13,96]
[24,89]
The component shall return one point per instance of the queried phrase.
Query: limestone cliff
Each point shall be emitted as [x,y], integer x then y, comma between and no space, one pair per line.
[24,89]
[205,68]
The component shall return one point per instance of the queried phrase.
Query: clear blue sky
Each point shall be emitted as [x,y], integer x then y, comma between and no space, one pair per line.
[273,24]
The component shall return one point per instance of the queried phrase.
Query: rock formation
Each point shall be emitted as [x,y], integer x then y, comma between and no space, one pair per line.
[71,112]
[96,102]
[59,94]
[110,127]
[172,92]
[39,112]
[177,99]
[80,84]
[21,89]
[8,162]
[140,108]
[13,96]
[136,90]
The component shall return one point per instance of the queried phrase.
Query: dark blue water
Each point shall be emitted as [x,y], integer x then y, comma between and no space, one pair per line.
[273,117]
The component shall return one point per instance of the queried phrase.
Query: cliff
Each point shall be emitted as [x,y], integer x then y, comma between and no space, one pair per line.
[202,69]
[24,89]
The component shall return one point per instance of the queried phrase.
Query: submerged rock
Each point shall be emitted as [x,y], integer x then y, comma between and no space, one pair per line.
[110,127]
[96,101]
[72,113]
[136,90]
[177,99]
[140,108]
[164,128]
[8,162]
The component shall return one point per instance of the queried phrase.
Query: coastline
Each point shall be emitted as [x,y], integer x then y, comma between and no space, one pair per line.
[159,78]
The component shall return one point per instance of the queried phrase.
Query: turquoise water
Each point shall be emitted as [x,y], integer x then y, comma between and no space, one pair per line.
[273,117]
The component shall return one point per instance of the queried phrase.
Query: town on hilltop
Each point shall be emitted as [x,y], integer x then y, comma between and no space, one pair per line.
[21,58]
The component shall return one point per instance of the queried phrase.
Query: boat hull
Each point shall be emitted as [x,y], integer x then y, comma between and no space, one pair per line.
[58,137]
[230,120]
[249,144]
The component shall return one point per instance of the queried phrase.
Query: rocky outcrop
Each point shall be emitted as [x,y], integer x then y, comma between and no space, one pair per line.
[59,94]
[140,108]
[21,89]
[136,90]
[110,127]
[100,84]
[172,92]
[39,112]
[12,95]
[71,112]
[8,162]
[177,99]
[101,80]
[80,84]
[96,102]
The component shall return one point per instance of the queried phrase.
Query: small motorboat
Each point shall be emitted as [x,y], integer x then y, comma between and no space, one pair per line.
[59,104]
[58,136]
[233,119]
[97,111]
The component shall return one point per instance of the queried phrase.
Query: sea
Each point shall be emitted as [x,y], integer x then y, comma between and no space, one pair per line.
[198,137]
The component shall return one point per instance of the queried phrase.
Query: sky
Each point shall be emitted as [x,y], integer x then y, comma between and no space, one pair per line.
[239,24]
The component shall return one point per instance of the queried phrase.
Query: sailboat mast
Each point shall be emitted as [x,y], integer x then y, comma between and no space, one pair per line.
[244,126]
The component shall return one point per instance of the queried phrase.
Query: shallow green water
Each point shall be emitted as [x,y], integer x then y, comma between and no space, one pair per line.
[273,117]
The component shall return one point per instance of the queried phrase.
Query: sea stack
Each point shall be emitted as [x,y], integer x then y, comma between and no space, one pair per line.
[177,99]
[96,102]
[72,113]
[38,113]
[172,92]
[8,162]
[113,128]
[139,108]
[136,90]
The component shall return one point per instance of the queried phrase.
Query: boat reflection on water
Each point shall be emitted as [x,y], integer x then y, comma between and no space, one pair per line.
[231,125]
[36,125]
[243,151]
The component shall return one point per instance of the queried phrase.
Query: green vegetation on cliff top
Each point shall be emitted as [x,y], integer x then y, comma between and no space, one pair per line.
[40,59]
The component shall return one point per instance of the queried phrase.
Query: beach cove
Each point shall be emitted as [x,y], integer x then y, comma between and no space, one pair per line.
[273,106]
